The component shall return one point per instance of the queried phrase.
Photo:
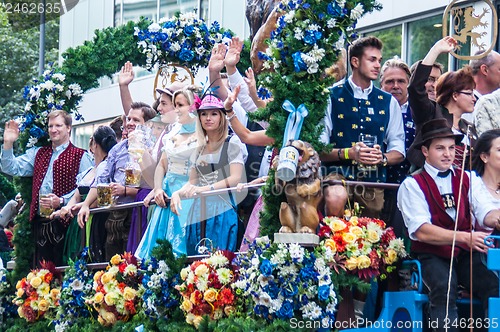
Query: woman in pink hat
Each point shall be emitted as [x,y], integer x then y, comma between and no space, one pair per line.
[218,163]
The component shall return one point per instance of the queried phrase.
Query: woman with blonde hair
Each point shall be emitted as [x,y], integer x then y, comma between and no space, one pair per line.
[218,163]
[171,173]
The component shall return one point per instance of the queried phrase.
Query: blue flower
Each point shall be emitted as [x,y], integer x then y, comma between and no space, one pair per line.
[261,310]
[323,292]
[186,55]
[266,268]
[215,26]
[298,63]
[290,290]
[189,30]
[333,9]
[263,56]
[312,36]
[263,93]
[286,310]
[26,92]
[37,132]
[169,25]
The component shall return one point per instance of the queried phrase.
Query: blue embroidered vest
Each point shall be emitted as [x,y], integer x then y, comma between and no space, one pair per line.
[351,117]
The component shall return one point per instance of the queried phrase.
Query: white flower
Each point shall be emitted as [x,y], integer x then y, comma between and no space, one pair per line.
[225,275]
[357,12]
[136,31]
[331,23]
[175,46]
[34,93]
[47,85]
[27,107]
[77,285]
[59,87]
[263,280]
[298,33]
[296,252]
[264,299]
[314,27]
[312,69]
[317,53]
[341,3]
[399,246]
[46,73]
[154,27]
[50,99]
[330,308]
[289,16]
[31,142]
[340,44]
[59,76]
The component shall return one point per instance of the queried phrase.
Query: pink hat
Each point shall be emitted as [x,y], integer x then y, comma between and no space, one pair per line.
[210,102]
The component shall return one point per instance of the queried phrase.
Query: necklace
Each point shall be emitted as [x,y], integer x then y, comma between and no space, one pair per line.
[497,190]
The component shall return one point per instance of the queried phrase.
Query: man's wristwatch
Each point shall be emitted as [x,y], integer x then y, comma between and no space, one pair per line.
[384,160]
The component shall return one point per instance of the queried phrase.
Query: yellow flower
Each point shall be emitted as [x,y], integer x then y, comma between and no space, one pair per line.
[329,243]
[43,289]
[356,230]
[392,256]
[109,318]
[187,306]
[98,297]
[337,225]
[197,321]
[20,311]
[184,273]
[351,263]
[373,236]
[116,259]
[109,299]
[43,305]
[349,237]
[229,310]
[210,295]
[106,277]
[35,282]
[19,284]
[190,319]
[354,221]
[363,262]
[129,293]
[202,269]
[98,275]
[30,276]
[54,293]
[20,292]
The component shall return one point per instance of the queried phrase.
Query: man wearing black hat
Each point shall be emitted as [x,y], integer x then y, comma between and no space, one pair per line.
[434,202]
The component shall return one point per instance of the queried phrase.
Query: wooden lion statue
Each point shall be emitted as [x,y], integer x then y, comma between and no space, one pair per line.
[303,193]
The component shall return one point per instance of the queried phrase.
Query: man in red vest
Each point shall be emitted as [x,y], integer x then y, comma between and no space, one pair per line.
[54,169]
[433,202]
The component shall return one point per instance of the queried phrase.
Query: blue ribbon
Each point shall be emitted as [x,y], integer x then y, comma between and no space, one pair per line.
[294,121]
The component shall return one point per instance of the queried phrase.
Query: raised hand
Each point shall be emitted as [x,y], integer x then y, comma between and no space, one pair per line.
[231,98]
[216,62]
[233,53]
[10,134]
[126,75]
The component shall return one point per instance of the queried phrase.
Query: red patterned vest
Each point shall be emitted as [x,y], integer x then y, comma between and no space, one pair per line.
[439,217]
[65,170]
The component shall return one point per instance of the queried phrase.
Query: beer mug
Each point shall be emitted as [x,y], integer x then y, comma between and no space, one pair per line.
[287,165]
[45,212]
[104,196]
[369,141]
[132,174]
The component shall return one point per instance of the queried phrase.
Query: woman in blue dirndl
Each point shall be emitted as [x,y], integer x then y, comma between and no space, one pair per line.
[217,164]
[179,145]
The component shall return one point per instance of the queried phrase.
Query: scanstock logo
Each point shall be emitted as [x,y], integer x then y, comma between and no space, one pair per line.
[27,13]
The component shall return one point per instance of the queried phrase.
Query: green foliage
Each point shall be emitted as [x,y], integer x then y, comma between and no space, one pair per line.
[102,56]
[7,190]
[23,238]
[269,219]
[163,251]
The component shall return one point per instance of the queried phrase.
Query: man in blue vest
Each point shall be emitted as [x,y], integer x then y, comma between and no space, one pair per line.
[357,109]
[432,202]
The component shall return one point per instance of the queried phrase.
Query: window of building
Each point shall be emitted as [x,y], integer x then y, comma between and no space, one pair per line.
[391,37]
[169,7]
[82,133]
[422,34]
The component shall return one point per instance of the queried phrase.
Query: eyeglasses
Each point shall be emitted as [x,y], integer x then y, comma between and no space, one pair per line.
[465,93]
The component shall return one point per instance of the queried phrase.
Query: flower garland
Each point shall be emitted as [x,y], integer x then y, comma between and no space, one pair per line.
[49,93]
[286,281]
[158,298]
[207,288]
[362,246]
[116,295]
[37,295]
[308,37]
[76,286]
[184,39]
[7,308]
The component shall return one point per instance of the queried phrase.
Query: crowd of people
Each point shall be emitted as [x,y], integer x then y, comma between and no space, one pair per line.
[437,134]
